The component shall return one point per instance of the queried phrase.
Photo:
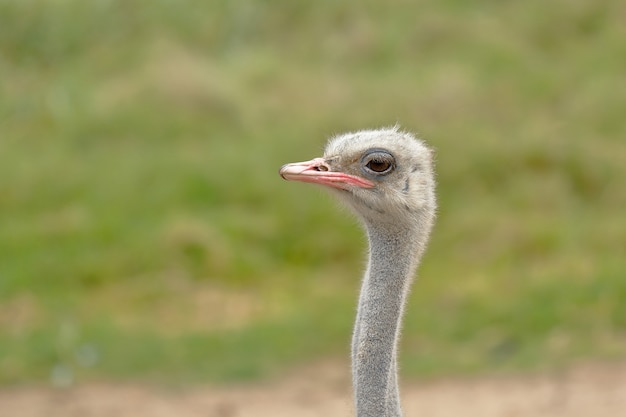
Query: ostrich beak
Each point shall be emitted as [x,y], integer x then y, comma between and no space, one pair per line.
[318,171]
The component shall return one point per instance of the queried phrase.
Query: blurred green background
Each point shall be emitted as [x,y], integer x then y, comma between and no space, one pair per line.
[146,235]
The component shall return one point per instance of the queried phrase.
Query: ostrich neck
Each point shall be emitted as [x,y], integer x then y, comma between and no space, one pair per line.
[393,257]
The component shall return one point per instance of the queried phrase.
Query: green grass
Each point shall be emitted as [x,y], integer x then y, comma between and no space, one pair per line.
[145,233]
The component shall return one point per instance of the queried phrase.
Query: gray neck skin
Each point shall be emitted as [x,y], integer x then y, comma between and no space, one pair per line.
[393,258]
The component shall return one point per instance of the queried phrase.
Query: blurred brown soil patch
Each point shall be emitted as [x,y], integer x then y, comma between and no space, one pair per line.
[586,390]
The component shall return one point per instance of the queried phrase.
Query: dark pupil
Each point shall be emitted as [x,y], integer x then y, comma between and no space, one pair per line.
[378,166]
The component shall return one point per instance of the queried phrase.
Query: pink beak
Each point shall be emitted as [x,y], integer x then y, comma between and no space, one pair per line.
[317,171]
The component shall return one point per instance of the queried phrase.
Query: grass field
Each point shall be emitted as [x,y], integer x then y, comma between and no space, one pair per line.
[145,233]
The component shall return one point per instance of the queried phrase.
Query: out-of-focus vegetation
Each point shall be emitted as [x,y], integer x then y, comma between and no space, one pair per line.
[145,233]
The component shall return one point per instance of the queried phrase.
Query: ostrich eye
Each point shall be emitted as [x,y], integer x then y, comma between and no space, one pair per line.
[378,166]
[378,162]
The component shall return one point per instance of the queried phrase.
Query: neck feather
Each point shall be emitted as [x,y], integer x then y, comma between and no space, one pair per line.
[393,258]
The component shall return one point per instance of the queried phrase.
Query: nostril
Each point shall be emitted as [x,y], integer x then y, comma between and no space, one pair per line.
[318,164]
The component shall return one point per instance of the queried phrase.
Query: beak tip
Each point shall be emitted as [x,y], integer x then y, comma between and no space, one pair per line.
[281,172]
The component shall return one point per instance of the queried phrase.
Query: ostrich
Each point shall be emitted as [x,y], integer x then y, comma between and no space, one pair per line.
[386,177]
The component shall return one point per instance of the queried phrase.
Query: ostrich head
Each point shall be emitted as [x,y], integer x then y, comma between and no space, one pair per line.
[384,175]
